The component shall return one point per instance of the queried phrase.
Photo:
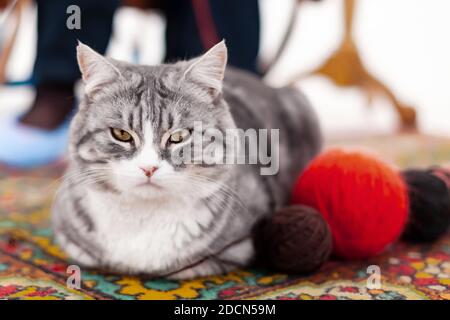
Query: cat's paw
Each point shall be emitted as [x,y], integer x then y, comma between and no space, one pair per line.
[206,268]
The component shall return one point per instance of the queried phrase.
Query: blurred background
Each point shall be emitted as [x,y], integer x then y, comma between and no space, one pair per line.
[403,43]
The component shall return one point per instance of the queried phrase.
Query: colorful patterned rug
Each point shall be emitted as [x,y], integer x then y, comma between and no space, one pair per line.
[32,266]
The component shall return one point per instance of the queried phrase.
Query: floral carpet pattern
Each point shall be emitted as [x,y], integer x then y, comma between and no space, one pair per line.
[33,267]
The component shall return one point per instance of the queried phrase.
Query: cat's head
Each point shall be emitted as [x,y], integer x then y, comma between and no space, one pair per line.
[133,120]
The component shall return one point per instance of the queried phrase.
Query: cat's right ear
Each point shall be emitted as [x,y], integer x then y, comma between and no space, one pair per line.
[96,70]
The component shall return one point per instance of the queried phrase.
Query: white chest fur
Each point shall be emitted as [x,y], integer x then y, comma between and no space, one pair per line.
[146,236]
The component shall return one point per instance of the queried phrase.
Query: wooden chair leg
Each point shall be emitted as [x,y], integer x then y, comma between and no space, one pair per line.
[346,68]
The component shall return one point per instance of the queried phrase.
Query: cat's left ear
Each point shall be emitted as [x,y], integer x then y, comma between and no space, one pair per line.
[208,70]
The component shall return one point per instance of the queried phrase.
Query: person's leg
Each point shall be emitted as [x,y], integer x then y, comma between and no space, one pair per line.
[55,70]
[236,21]
[40,136]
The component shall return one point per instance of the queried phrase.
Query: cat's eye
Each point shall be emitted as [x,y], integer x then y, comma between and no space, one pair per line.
[121,135]
[179,136]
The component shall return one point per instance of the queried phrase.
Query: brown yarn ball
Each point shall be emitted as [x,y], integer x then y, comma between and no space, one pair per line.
[296,240]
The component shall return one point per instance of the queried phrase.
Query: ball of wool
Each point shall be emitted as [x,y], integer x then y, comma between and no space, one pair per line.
[429,202]
[363,199]
[295,240]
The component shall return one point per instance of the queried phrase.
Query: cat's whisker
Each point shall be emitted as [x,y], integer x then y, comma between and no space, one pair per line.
[75,174]
[216,182]
[65,176]
[214,193]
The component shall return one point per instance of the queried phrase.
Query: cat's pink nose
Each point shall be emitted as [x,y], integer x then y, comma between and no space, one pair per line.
[149,171]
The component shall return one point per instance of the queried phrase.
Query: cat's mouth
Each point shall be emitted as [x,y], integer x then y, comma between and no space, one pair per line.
[150,184]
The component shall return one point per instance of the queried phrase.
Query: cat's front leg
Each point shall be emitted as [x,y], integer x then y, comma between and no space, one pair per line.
[238,255]
[75,251]
[74,229]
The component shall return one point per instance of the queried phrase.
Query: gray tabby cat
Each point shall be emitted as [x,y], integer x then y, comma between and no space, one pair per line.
[126,206]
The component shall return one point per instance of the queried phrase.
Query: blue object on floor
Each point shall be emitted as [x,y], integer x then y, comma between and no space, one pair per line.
[23,146]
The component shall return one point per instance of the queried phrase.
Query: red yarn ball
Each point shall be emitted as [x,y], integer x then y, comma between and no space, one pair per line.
[363,199]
